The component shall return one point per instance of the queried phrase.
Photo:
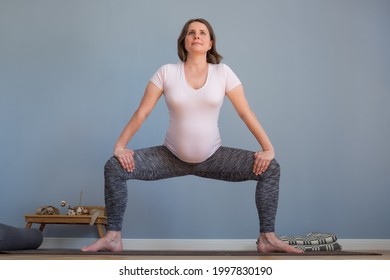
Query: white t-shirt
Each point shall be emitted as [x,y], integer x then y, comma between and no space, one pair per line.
[193,134]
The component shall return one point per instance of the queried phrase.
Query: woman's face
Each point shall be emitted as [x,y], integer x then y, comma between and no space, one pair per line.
[198,38]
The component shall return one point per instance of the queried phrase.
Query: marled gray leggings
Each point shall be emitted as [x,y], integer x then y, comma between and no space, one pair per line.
[158,162]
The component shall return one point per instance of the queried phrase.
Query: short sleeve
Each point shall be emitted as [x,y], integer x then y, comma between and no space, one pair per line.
[159,77]
[231,79]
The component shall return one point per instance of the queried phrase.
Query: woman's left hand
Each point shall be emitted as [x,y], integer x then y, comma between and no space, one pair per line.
[262,161]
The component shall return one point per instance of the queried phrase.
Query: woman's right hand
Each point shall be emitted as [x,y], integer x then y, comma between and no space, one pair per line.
[125,158]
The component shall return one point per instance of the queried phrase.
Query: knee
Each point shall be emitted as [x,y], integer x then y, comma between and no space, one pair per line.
[112,166]
[274,168]
[275,165]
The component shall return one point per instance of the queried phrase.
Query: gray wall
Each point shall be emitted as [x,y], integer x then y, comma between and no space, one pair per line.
[316,73]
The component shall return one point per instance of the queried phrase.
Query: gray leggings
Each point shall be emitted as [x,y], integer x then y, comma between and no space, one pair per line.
[228,164]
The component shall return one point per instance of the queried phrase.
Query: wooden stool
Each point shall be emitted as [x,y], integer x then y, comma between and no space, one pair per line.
[43,220]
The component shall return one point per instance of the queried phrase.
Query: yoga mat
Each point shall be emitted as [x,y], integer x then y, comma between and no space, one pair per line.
[184,253]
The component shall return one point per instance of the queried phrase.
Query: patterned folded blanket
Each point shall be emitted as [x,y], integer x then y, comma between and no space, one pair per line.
[324,247]
[313,238]
[314,241]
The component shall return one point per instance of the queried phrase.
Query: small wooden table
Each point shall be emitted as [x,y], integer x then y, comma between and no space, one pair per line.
[43,220]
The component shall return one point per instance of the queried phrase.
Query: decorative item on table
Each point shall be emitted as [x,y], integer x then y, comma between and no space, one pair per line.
[78,210]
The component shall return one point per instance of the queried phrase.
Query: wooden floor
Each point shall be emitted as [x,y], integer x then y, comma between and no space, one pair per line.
[385,256]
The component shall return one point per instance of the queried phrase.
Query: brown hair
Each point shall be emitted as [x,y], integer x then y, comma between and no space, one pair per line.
[212,55]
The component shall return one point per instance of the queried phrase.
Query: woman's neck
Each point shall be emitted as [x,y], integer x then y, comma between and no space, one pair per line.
[196,62]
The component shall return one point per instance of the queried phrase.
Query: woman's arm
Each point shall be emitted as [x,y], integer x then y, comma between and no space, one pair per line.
[149,100]
[240,103]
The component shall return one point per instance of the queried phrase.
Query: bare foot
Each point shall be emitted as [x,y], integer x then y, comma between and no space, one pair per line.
[269,242]
[111,242]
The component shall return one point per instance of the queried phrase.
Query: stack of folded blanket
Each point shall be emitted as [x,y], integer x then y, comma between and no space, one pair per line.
[314,241]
